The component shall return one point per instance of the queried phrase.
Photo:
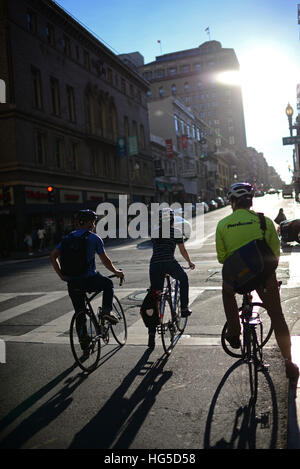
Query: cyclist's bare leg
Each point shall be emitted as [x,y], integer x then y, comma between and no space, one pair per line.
[231,311]
[270,296]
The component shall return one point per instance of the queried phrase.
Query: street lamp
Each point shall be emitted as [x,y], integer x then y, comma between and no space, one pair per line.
[289,112]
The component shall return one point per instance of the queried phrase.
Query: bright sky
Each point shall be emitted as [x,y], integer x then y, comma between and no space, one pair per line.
[263,33]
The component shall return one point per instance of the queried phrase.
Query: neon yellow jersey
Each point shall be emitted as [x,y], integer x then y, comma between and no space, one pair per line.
[240,228]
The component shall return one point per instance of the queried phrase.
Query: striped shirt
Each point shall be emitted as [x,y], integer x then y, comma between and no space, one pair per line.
[164,248]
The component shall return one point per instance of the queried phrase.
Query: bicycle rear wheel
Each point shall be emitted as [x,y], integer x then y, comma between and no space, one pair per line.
[168,327]
[119,330]
[180,321]
[85,340]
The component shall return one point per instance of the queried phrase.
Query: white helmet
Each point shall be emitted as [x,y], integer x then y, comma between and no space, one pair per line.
[240,189]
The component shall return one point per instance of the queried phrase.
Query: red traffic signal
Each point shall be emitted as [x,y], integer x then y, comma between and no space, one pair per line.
[51,194]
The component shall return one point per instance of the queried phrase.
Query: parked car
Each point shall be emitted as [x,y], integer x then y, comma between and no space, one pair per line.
[259,194]
[272,191]
[183,225]
[212,205]
[220,202]
[205,206]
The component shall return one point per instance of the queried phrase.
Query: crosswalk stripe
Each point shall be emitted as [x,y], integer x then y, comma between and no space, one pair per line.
[30,305]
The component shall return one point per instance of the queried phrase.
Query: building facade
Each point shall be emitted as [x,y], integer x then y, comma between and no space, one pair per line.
[196,77]
[73,116]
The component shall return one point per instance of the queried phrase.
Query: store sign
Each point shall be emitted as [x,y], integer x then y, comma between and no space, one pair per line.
[184,141]
[95,196]
[70,197]
[36,195]
[169,148]
[133,145]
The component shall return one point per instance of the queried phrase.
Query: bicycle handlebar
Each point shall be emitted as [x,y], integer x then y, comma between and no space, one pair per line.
[121,279]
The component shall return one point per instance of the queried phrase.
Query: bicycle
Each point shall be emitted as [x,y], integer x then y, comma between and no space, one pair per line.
[253,338]
[171,325]
[88,329]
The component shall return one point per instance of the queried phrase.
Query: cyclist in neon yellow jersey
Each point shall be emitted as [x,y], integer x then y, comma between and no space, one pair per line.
[233,232]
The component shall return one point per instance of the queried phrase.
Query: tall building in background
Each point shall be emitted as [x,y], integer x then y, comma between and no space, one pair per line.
[196,77]
[73,116]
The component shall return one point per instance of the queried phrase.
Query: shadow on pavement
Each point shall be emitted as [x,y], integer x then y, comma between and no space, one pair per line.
[236,420]
[119,420]
[45,414]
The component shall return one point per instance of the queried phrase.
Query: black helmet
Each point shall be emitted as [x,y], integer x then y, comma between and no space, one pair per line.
[241,189]
[84,216]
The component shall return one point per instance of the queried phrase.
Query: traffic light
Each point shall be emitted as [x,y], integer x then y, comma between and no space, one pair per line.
[51,194]
[6,195]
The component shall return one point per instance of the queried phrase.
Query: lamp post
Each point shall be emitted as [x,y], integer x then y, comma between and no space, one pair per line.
[289,112]
[296,179]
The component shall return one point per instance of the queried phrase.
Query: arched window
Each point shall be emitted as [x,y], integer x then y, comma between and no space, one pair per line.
[2,92]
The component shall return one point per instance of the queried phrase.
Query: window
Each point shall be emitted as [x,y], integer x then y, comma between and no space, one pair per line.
[31,22]
[172,71]
[86,61]
[218,142]
[126,127]
[37,88]
[149,94]
[231,140]
[2,92]
[185,68]
[200,84]
[109,76]
[173,89]
[142,137]
[71,103]
[50,34]
[131,91]
[66,46]
[123,85]
[160,73]
[176,123]
[40,148]
[74,157]
[197,67]
[55,96]
[186,87]
[161,92]
[77,53]
[148,75]
[59,153]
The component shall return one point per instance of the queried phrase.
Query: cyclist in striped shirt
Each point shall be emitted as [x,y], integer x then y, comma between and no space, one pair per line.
[163,261]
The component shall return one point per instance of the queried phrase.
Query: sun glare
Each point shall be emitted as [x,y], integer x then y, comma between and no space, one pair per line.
[232,78]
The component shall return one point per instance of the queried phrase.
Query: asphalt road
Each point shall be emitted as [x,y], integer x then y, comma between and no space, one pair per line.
[136,400]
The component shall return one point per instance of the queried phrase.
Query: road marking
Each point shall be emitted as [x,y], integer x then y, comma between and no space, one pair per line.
[30,305]
[294,274]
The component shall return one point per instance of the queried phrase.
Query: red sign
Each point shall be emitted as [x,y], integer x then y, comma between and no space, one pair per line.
[169,148]
[184,141]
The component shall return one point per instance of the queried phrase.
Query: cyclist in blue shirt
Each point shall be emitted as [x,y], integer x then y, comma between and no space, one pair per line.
[92,281]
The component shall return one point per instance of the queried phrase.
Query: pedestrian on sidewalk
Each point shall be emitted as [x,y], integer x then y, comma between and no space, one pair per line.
[28,242]
[280,217]
[41,236]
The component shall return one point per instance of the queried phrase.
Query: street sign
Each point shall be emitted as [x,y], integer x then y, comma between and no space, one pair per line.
[291,140]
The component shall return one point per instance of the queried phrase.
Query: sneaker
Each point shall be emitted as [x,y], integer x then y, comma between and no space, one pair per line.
[234,341]
[151,342]
[186,312]
[111,317]
[291,370]
[85,342]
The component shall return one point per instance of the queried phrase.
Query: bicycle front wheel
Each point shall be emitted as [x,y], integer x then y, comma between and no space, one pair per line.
[180,321]
[85,340]
[119,330]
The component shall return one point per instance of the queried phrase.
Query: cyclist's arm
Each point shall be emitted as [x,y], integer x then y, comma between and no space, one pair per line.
[185,255]
[106,261]
[54,255]
[272,238]
[220,247]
